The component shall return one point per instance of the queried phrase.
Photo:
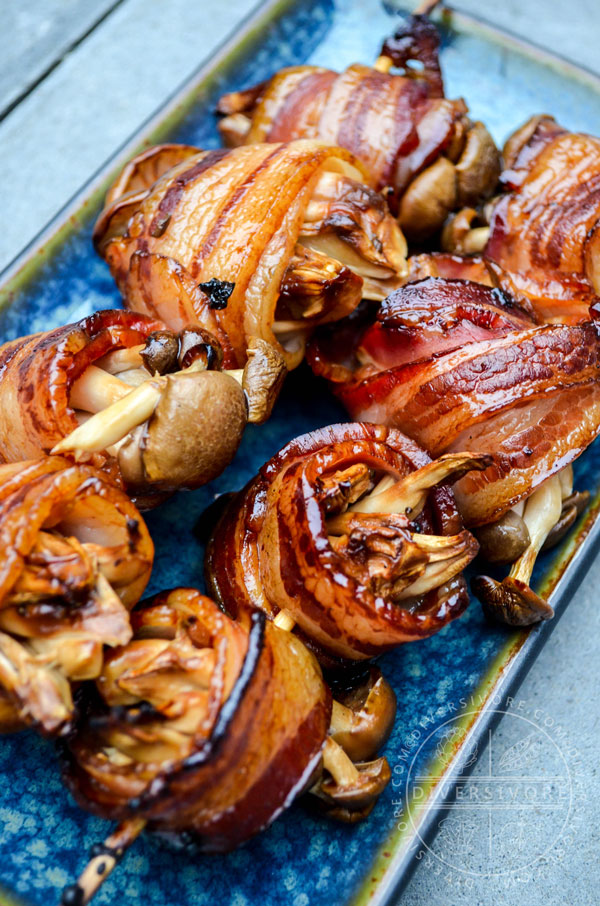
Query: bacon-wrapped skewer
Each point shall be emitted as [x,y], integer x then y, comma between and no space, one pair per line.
[461,366]
[543,238]
[265,241]
[346,534]
[75,556]
[419,147]
[117,387]
[206,728]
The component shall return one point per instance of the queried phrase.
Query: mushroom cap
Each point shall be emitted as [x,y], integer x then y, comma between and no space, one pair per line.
[193,433]
[428,200]
[263,378]
[478,168]
[351,802]
[373,707]
[511,601]
[505,540]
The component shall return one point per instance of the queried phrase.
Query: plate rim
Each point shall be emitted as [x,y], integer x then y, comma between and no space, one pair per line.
[387,877]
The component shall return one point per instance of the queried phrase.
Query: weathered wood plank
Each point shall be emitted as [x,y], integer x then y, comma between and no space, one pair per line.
[36,35]
[95,99]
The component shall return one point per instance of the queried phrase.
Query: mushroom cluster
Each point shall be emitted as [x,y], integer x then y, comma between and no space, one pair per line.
[419,148]
[458,365]
[261,242]
[153,407]
[75,558]
[205,729]
[540,236]
[349,535]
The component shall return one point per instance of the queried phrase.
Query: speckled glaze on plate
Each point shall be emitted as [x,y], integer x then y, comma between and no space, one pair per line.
[301,859]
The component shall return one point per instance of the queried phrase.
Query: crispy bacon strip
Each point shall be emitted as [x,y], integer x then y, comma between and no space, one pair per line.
[398,125]
[202,725]
[75,556]
[460,366]
[544,229]
[358,575]
[221,236]
[37,373]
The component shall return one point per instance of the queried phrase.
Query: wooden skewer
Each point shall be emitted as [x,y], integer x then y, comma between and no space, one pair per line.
[284,620]
[104,858]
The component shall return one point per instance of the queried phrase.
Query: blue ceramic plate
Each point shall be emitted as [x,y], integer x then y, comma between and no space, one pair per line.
[44,837]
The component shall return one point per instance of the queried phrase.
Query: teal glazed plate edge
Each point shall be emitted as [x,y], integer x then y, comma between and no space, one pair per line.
[301,859]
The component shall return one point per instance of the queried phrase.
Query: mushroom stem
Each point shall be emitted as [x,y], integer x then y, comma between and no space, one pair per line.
[279,327]
[111,423]
[104,858]
[115,421]
[512,601]
[342,718]
[97,389]
[408,494]
[476,240]
[235,128]
[566,481]
[237,374]
[542,511]
[122,359]
[339,764]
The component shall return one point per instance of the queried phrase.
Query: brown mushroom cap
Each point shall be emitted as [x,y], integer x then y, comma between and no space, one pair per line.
[351,802]
[511,601]
[365,726]
[429,199]
[478,168]
[263,378]
[505,540]
[192,435]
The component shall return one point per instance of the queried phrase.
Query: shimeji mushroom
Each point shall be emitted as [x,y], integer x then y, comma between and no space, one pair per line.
[546,516]
[181,426]
[445,555]
[363,716]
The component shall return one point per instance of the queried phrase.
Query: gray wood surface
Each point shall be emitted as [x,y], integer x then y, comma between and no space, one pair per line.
[40,33]
[96,98]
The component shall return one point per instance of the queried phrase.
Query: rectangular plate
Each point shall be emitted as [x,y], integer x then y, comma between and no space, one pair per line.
[466,671]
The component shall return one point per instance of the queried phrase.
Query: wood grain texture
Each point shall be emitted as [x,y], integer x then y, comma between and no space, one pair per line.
[40,33]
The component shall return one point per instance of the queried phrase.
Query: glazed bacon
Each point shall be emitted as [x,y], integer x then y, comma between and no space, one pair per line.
[37,373]
[265,241]
[201,725]
[459,366]
[544,228]
[75,556]
[150,406]
[357,574]
[416,145]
